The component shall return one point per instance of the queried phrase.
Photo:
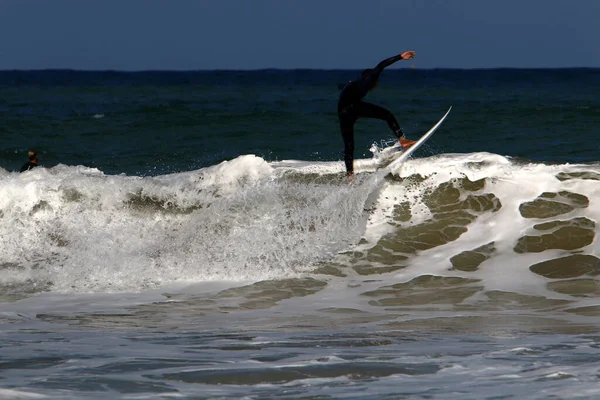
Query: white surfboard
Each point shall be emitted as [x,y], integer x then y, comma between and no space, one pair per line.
[406,153]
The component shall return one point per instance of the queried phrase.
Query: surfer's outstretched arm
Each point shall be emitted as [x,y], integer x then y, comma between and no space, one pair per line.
[407,55]
[369,77]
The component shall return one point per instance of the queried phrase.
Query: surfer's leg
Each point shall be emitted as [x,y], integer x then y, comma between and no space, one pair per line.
[347,129]
[368,110]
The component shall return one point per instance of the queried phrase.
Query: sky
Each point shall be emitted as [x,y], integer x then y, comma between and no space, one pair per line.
[135,35]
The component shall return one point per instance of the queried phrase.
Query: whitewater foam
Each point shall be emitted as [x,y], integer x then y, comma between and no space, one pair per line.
[77,229]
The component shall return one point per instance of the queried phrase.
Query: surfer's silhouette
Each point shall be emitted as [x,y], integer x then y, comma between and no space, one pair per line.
[351,107]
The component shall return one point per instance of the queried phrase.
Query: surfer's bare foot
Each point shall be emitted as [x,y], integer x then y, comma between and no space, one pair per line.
[350,177]
[405,143]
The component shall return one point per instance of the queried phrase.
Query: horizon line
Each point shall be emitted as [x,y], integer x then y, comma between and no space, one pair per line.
[286,69]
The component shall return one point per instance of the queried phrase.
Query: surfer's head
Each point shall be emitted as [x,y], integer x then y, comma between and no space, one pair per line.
[369,74]
[32,154]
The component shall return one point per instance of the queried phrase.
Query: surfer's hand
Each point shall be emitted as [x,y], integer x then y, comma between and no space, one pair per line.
[407,55]
[350,176]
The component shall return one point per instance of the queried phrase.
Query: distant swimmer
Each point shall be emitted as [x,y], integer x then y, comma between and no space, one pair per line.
[32,163]
[351,107]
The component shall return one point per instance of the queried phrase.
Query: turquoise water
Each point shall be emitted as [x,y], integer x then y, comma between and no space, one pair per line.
[192,235]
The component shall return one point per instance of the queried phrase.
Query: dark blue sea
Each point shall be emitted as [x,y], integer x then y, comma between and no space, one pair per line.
[193,235]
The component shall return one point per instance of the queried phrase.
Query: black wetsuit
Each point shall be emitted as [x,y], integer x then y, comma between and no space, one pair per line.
[351,107]
[28,165]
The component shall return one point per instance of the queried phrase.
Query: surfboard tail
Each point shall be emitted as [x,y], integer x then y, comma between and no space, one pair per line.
[406,153]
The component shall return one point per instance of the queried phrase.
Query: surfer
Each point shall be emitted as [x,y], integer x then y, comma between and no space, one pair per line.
[351,107]
[32,163]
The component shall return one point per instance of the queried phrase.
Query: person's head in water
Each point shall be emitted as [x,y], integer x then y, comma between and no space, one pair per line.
[369,72]
[33,157]
[32,163]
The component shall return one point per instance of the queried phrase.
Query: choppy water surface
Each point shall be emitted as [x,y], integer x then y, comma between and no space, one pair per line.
[265,274]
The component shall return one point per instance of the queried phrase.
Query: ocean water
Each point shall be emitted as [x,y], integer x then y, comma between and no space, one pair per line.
[192,235]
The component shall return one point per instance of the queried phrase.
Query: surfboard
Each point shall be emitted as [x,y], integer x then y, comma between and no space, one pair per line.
[407,153]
